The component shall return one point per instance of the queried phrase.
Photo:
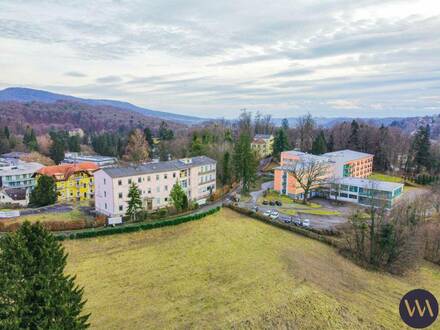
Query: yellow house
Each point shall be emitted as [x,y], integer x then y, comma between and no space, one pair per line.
[262,144]
[74,182]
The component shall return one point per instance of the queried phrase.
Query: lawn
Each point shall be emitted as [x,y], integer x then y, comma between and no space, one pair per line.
[229,271]
[73,215]
[385,177]
[274,196]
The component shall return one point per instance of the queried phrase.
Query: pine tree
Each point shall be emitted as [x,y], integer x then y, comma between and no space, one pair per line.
[331,143]
[196,148]
[45,192]
[381,160]
[226,175]
[165,133]
[281,143]
[245,163]
[354,140]
[422,148]
[34,291]
[136,150]
[7,132]
[319,145]
[285,124]
[179,198]
[30,139]
[56,150]
[134,202]
[148,136]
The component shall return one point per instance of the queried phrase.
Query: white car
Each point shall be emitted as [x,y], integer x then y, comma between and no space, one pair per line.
[306,223]
[274,214]
[267,213]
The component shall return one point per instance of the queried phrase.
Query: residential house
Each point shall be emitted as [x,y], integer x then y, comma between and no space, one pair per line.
[155,180]
[262,144]
[74,182]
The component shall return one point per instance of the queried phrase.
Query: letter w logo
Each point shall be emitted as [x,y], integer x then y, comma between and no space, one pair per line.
[412,310]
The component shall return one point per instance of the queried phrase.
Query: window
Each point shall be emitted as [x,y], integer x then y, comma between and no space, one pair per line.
[165,176]
[139,179]
[174,175]
[157,177]
[166,199]
[352,196]
[105,206]
[104,181]
[129,181]
[120,195]
[121,208]
[149,190]
[119,182]
[343,195]
[157,189]
[105,193]
[166,188]
[148,178]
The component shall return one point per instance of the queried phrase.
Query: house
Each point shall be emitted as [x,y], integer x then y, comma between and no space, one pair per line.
[76,132]
[349,163]
[262,144]
[17,196]
[101,161]
[197,177]
[15,173]
[267,165]
[366,192]
[74,182]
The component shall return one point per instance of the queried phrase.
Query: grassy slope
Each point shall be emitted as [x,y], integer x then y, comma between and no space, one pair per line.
[73,215]
[228,270]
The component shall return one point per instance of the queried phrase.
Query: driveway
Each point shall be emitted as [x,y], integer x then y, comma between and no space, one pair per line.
[256,194]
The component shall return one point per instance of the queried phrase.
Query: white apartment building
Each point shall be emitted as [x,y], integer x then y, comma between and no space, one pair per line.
[197,176]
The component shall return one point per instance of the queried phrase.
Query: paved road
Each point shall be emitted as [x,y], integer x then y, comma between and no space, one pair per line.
[57,208]
[258,193]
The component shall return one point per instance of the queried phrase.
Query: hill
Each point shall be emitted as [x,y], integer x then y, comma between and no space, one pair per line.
[70,114]
[18,94]
[229,271]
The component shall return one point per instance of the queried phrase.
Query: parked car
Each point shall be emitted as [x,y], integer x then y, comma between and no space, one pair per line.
[267,213]
[287,220]
[306,223]
[255,208]
[278,203]
[265,202]
[274,214]
[297,222]
[272,203]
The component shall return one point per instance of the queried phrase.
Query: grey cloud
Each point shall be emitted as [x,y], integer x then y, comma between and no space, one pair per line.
[75,74]
[109,79]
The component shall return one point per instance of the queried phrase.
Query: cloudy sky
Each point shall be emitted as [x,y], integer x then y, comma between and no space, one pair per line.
[213,58]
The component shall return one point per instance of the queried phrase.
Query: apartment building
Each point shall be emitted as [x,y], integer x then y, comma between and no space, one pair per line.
[101,161]
[349,163]
[262,144]
[15,173]
[197,176]
[366,192]
[74,182]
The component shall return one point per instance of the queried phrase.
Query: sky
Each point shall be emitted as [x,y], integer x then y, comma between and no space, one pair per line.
[363,58]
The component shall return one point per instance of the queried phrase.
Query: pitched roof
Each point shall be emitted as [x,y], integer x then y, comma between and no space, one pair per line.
[158,167]
[66,170]
[16,194]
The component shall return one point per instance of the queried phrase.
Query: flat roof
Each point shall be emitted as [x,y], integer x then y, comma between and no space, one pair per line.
[369,184]
[346,155]
[20,168]
[158,167]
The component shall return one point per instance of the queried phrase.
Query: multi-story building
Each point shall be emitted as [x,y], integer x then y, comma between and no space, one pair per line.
[349,163]
[197,177]
[262,144]
[101,161]
[15,173]
[74,182]
[366,192]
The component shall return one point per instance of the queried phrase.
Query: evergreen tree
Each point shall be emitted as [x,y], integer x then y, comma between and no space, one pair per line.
[245,164]
[421,148]
[165,133]
[285,124]
[134,202]
[179,198]
[56,150]
[331,143]
[319,145]
[30,139]
[7,133]
[148,136]
[45,192]
[74,143]
[226,175]
[281,143]
[136,150]
[354,140]
[35,293]
[381,159]
[196,148]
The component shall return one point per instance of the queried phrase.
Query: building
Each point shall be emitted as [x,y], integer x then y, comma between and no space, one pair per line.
[366,192]
[76,132]
[286,184]
[15,173]
[262,144]
[101,161]
[74,182]
[349,163]
[197,176]
[16,196]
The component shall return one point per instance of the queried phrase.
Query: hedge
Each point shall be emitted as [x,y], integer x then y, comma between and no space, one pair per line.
[138,227]
[302,231]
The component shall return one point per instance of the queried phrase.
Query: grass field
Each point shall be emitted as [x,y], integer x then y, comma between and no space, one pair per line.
[385,177]
[227,271]
[73,215]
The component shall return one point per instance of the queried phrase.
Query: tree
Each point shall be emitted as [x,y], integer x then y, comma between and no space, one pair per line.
[285,124]
[148,136]
[45,192]
[136,150]
[420,149]
[74,143]
[7,132]
[179,198]
[35,293]
[308,172]
[30,139]
[56,150]
[306,126]
[381,155]
[245,163]
[319,145]
[226,175]
[165,133]
[134,202]
[354,140]
[281,143]
[196,148]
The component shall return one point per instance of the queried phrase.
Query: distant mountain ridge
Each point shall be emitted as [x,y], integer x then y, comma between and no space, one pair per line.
[19,94]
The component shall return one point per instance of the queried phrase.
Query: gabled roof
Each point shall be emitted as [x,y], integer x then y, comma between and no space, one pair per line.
[64,171]
[16,194]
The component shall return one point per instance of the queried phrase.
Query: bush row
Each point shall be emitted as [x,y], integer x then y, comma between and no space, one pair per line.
[310,233]
[138,227]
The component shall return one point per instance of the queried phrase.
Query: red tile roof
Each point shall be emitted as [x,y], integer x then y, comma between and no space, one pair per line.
[66,170]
